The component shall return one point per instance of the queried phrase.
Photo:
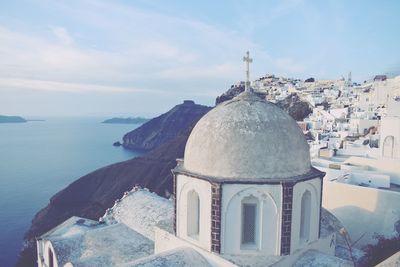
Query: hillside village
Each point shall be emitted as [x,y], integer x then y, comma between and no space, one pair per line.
[355,140]
[346,202]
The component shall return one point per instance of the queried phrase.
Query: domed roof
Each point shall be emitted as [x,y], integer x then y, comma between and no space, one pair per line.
[247,138]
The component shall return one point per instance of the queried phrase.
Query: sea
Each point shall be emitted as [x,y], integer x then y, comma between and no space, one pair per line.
[39,158]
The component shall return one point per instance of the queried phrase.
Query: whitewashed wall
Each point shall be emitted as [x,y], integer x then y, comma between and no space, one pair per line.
[370,178]
[362,210]
[47,246]
[165,241]
[203,188]
[269,219]
[39,252]
[314,187]
[390,126]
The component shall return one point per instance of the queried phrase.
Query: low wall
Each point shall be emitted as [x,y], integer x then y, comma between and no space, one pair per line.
[367,178]
[362,210]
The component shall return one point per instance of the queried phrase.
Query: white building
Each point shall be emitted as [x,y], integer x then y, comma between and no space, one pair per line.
[247,171]
[361,126]
[320,119]
[390,132]
[362,184]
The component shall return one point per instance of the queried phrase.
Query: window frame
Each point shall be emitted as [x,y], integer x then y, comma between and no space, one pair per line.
[193,218]
[250,201]
[305,217]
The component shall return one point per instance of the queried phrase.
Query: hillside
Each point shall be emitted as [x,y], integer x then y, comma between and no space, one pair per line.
[165,127]
[297,108]
[292,104]
[232,92]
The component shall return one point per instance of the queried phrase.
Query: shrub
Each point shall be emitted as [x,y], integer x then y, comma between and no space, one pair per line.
[383,249]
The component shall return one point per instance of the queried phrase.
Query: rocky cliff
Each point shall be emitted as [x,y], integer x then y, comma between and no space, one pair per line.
[92,194]
[297,108]
[165,127]
[232,92]
[292,104]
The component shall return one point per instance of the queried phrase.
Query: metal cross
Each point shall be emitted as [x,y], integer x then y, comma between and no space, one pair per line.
[247,60]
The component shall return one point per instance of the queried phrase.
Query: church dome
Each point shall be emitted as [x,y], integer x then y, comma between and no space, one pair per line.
[247,138]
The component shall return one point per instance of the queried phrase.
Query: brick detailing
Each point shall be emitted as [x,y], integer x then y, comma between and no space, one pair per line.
[216,194]
[287,205]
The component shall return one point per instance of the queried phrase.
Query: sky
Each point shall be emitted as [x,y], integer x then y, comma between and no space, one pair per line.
[140,58]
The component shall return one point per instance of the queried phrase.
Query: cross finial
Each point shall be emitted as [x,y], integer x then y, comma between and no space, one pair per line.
[247,60]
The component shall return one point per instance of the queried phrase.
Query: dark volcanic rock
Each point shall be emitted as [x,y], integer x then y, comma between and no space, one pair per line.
[92,194]
[296,107]
[232,92]
[118,143]
[292,104]
[165,127]
[228,95]
[310,80]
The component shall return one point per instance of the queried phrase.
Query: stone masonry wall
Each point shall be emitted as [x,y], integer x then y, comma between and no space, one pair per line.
[216,192]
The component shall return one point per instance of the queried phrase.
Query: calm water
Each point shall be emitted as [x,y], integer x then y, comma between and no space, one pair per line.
[37,159]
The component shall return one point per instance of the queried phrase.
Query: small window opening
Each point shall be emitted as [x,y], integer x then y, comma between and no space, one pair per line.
[193,214]
[51,258]
[305,218]
[249,223]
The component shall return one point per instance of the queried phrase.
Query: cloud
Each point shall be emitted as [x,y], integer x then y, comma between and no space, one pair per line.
[62,35]
[224,70]
[37,56]
[29,84]
[109,47]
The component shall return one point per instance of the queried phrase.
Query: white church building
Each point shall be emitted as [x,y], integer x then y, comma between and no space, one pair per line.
[245,195]
[247,171]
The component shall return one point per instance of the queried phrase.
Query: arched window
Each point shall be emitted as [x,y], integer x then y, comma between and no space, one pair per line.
[305,217]
[51,258]
[249,222]
[388,147]
[193,214]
